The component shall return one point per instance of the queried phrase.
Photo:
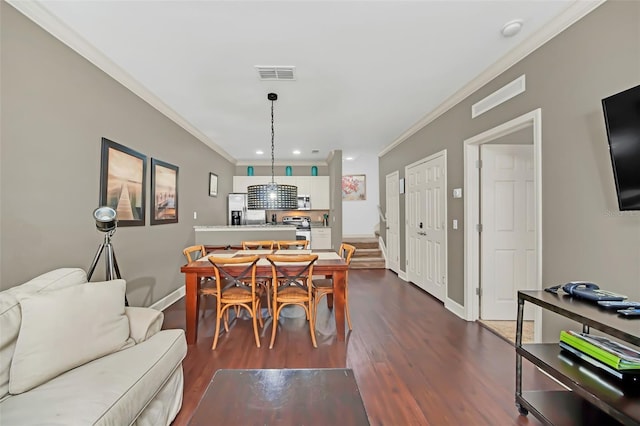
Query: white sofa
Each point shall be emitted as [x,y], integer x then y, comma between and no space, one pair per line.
[71,353]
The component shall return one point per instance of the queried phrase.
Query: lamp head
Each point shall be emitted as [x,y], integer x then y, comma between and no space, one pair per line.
[105,217]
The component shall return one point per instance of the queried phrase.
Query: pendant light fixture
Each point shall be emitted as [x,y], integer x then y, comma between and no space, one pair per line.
[272,196]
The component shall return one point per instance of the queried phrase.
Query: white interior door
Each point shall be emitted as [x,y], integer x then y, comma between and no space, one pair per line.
[426,224]
[508,257]
[393,226]
[414,211]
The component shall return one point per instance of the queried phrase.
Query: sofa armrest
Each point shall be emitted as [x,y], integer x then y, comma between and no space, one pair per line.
[143,322]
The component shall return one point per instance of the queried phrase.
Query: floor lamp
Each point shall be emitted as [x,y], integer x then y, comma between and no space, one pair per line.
[107,222]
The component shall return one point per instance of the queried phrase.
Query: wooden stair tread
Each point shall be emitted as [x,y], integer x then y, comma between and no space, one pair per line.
[368,254]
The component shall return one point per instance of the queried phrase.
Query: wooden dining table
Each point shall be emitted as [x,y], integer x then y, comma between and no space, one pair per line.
[329,264]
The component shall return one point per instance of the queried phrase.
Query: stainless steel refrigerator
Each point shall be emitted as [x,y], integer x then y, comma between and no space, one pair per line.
[239,214]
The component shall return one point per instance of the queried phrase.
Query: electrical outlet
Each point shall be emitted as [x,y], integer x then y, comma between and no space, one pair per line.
[195,215]
[455,223]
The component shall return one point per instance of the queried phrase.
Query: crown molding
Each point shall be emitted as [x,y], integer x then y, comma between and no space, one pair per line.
[576,11]
[54,26]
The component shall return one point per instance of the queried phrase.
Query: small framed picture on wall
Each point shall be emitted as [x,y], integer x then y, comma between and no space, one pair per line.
[213,185]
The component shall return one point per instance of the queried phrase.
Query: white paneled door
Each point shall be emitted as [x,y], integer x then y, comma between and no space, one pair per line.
[392,236]
[426,224]
[508,229]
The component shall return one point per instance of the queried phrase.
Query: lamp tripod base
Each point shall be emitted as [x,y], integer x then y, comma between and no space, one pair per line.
[112,271]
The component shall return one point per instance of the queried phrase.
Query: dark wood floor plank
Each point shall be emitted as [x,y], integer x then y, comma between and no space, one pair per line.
[415,362]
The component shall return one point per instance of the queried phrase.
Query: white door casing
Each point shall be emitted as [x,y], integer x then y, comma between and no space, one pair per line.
[426,224]
[532,120]
[413,202]
[508,229]
[393,225]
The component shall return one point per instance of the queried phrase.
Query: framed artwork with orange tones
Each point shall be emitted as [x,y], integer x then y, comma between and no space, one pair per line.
[164,192]
[123,173]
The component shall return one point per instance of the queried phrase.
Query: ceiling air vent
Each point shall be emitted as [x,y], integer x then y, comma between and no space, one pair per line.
[276,72]
[315,151]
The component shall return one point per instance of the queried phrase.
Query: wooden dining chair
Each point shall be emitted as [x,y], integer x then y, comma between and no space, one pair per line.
[292,286]
[264,282]
[207,284]
[257,245]
[324,287]
[293,244]
[236,286]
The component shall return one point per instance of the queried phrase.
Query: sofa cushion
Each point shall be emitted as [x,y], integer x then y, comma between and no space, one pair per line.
[67,328]
[10,315]
[112,390]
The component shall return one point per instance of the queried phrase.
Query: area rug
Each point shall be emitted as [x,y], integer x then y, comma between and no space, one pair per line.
[507,330]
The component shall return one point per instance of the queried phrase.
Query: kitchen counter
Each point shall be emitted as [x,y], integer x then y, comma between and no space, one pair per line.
[225,235]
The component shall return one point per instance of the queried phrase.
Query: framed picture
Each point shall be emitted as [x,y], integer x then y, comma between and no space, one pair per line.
[213,185]
[164,192]
[354,187]
[123,174]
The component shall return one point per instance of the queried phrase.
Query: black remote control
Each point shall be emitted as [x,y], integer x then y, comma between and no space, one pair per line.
[630,312]
[618,304]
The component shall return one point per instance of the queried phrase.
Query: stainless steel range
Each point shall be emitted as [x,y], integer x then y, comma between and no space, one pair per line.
[303,226]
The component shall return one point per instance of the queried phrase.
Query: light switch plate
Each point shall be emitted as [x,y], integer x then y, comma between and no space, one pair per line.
[457,193]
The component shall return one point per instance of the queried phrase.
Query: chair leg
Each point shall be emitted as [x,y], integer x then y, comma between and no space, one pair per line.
[312,326]
[255,327]
[215,337]
[346,306]
[274,325]
[258,311]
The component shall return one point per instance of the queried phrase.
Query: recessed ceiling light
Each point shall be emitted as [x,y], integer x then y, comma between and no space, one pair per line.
[349,158]
[296,152]
[512,28]
[259,152]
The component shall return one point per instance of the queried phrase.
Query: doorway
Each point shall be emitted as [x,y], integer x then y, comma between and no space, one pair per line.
[476,260]
[393,226]
[426,224]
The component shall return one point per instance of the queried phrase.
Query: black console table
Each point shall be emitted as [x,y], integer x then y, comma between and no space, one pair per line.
[594,397]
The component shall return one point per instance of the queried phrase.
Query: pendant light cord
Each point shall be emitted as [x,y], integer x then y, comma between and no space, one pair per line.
[273,179]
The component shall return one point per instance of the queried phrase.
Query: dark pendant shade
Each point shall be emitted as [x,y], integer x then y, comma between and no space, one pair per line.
[272,197]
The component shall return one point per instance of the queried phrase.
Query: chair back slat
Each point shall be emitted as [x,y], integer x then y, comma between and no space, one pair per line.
[257,245]
[293,244]
[193,253]
[237,271]
[288,270]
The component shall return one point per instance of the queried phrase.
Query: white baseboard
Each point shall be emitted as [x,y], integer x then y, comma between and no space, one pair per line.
[402,275]
[169,299]
[456,308]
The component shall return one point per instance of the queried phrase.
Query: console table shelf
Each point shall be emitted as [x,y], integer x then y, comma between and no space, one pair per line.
[595,397]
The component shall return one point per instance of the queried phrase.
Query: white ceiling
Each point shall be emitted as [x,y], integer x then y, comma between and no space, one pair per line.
[366,71]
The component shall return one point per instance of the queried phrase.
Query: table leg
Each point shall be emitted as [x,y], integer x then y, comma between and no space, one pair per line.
[330,301]
[192,302]
[339,284]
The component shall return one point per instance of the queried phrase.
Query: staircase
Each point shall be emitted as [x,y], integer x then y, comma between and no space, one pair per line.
[368,254]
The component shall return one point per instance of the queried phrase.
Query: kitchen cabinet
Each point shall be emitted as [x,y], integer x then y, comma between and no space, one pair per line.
[320,238]
[594,397]
[320,199]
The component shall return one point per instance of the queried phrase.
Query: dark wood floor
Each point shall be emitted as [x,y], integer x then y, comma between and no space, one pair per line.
[415,362]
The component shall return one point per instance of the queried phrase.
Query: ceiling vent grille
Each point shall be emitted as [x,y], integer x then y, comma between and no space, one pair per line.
[276,72]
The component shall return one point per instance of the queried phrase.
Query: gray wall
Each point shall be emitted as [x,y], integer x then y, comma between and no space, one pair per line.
[335,185]
[56,107]
[584,234]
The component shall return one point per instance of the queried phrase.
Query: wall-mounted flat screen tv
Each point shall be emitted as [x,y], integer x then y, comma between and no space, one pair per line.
[622,118]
